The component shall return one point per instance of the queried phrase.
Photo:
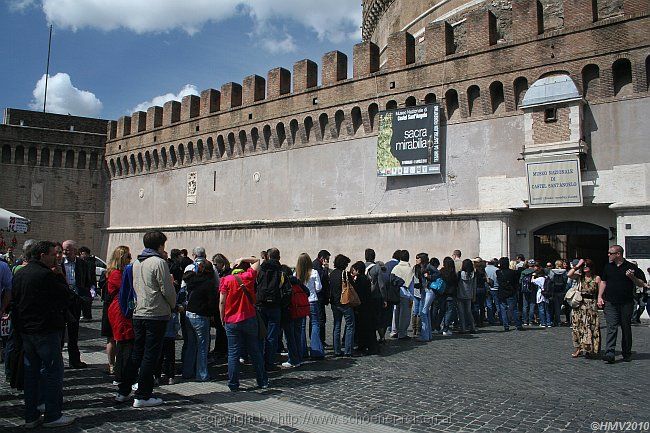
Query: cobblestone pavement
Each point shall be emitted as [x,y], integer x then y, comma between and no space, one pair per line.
[491,381]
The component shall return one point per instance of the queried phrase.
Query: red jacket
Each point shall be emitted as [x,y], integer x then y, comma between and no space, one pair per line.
[121,326]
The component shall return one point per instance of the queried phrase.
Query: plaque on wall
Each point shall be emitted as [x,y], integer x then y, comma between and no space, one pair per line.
[191,187]
[554,183]
[637,247]
[37,195]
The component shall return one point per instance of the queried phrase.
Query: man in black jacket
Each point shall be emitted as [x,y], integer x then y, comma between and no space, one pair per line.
[39,304]
[79,281]
[321,265]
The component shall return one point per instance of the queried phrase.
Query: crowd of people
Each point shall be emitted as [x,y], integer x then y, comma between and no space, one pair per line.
[273,316]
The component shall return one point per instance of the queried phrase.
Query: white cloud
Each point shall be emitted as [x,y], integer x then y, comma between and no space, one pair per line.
[188,89]
[20,5]
[275,46]
[337,21]
[64,98]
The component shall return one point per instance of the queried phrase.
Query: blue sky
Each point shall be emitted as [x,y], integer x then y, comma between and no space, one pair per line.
[111,57]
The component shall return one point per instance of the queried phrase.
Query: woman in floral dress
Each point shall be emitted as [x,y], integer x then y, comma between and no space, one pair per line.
[585,322]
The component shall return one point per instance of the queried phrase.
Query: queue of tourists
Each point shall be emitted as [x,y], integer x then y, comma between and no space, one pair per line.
[272,314]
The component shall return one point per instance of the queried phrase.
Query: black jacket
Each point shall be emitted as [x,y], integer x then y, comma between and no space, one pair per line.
[40,299]
[201,293]
[507,279]
[336,287]
[83,275]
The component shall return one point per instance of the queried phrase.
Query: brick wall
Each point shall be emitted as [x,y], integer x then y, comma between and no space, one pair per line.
[553,131]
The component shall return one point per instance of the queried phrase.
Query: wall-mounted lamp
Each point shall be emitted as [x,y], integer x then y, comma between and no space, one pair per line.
[520,233]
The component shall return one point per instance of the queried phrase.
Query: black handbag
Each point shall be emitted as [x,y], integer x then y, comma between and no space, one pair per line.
[261,326]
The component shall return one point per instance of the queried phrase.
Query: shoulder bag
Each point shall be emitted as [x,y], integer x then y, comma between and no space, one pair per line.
[573,296]
[349,296]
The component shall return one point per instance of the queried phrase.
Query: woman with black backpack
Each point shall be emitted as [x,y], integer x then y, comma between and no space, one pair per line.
[507,294]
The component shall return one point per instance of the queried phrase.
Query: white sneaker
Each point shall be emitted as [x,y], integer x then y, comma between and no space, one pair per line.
[242,361]
[151,402]
[284,353]
[134,387]
[119,398]
[447,333]
[41,408]
[288,365]
[63,421]
[116,383]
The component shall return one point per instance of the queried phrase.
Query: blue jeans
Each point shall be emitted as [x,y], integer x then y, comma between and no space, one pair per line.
[417,306]
[492,305]
[340,311]
[141,365]
[43,375]
[292,330]
[544,314]
[195,362]
[316,349]
[425,316]
[509,312]
[244,335]
[528,305]
[271,316]
[450,313]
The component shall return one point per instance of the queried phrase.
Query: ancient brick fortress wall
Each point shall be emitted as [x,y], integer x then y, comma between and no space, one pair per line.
[52,171]
[313,146]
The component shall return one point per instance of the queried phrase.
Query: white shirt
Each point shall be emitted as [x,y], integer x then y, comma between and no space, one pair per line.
[314,285]
[539,282]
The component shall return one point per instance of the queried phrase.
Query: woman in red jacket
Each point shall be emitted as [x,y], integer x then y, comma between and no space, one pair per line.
[121,326]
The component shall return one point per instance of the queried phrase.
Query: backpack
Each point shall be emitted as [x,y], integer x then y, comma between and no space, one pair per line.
[526,281]
[102,285]
[558,282]
[438,285]
[126,296]
[393,288]
[299,306]
[547,289]
[273,289]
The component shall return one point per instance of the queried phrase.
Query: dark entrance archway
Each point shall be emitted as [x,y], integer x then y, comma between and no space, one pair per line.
[570,240]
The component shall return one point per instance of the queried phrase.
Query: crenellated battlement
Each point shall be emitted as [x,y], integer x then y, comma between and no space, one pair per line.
[261,114]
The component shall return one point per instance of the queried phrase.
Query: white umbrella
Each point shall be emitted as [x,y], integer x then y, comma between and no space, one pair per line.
[12,222]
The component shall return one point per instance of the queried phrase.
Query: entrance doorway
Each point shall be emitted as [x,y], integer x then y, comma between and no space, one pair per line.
[570,240]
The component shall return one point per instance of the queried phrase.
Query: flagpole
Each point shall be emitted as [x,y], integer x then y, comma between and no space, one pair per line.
[47,69]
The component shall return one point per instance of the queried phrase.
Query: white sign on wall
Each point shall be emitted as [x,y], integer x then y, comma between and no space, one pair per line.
[191,187]
[554,183]
[37,195]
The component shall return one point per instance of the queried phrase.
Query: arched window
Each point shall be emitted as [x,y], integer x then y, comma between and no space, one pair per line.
[31,156]
[309,124]
[111,165]
[391,105]
[93,160]
[199,149]
[339,117]
[125,163]
[255,137]
[243,140]
[622,76]
[430,98]
[221,146]
[590,81]
[172,156]
[69,159]
[140,163]
[266,132]
[147,161]
[451,103]
[293,129]
[132,165]
[373,109]
[520,86]
[281,134]
[474,101]
[156,159]
[190,152]
[163,157]
[19,156]
[496,97]
[231,143]
[410,101]
[181,154]
[57,159]
[45,157]
[357,121]
[6,154]
[323,121]
[81,160]
[210,144]
[118,163]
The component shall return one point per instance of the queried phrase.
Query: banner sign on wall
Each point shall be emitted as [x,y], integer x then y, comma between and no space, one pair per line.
[554,183]
[408,141]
